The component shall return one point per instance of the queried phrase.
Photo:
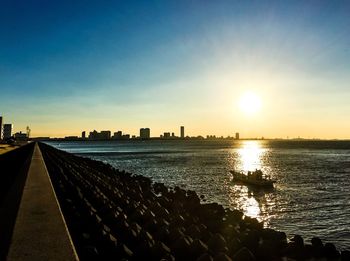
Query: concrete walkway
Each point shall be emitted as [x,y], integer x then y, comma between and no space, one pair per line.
[40,231]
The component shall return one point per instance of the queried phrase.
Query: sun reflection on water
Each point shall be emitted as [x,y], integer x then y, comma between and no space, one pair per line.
[250,156]
[253,202]
[252,208]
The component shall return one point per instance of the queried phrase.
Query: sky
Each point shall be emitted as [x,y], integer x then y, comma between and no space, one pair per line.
[69,66]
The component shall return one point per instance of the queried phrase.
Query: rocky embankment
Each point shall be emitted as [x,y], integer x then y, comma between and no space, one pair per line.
[114,215]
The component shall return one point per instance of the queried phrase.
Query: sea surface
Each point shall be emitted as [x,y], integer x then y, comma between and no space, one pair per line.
[311,196]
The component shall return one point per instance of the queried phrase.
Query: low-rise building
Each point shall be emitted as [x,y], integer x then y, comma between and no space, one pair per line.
[117,135]
[7,131]
[20,136]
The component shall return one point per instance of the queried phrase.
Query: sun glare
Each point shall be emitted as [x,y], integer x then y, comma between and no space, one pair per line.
[250,103]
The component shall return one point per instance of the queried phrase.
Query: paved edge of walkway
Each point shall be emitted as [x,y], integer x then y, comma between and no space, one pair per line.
[40,231]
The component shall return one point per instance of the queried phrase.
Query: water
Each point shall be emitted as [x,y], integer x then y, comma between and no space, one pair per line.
[311,196]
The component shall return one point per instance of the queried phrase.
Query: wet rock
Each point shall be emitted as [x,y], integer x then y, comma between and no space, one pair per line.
[193,231]
[182,247]
[266,251]
[234,245]
[126,252]
[205,233]
[243,255]
[317,249]
[143,250]
[136,227]
[298,241]
[151,225]
[330,251]
[251,240]
[168,257]
[345,255]
[89,253]
[205,257]
[198,248]
[253,223]
[175,233]
[146,236]
[160,250]
[177,220]
[295,248]
[217,243]
[222,257]
[162,234]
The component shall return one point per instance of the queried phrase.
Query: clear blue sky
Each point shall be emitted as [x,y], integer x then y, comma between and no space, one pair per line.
[68,66]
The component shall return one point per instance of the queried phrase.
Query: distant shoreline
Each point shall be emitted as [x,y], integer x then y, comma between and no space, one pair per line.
[191,139]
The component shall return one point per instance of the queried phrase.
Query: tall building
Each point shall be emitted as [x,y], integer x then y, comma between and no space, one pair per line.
[0,127]
[145,133]
[83,135]
[237,135]
[7,131]
[182,131]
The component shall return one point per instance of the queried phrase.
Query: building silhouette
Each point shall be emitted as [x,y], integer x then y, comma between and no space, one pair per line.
[1,119]
[182,132]
[83,135]
[166,135]
[237,136]
[117,135]
[145,133]
[28,130]
[21,136]
[93,135]
[103,135]
[125,136]
[7,131]
[71,138]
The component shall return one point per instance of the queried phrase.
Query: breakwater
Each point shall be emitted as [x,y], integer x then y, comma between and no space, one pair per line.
[114,214]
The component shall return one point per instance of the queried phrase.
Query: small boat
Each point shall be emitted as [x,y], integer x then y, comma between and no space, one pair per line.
[254,178]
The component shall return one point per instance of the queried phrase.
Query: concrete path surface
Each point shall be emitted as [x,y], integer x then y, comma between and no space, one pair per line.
[40,231]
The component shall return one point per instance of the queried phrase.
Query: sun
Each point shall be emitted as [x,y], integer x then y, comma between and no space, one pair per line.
[250,103]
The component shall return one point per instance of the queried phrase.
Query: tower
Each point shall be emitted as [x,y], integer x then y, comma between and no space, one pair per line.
[0,127]
[28,132]
[182,131]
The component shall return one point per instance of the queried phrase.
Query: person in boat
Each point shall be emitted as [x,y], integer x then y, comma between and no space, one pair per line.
[249,174]
[258,174]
